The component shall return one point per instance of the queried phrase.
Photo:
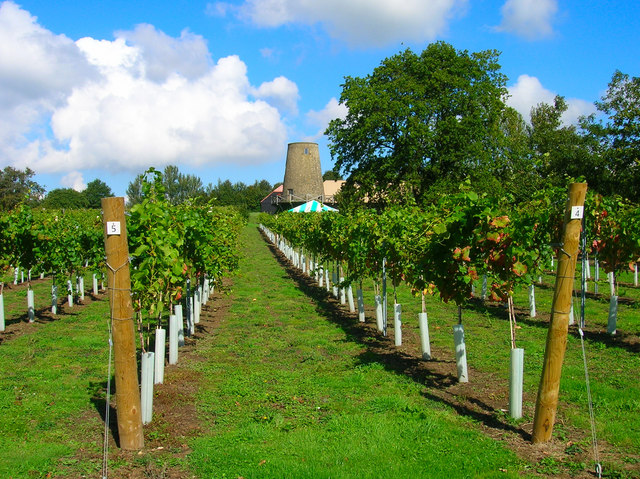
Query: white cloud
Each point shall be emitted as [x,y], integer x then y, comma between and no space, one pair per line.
[37,71]
[35,64]
[74,180]
[129,122]
[320,119]
[141,99]
[530,19]
[281,93]
[163,55]
[108,55]
[358,22]
[528,92]
[577,108]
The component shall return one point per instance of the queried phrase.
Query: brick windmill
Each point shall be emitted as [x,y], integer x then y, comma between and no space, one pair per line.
[302,175]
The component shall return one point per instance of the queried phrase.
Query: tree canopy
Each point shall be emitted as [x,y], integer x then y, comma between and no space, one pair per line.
[17,186]
[245,197]
[178,187]
[559,151]
[417,121]
[95,191]
[63,198]
[332,175]
[616,141]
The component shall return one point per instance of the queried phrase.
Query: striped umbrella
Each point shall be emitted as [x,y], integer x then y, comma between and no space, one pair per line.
[311,206]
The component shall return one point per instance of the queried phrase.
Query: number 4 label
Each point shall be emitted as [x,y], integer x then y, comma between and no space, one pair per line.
[113,228]
[577,212]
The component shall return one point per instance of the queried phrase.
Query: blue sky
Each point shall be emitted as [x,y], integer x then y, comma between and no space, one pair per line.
[106,89]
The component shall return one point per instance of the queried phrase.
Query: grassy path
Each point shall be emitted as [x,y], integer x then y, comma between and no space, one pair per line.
[290,394]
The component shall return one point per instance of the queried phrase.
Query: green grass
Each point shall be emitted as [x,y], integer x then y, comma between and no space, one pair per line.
[15,298]
[612,364]
[49,379]
[289,394]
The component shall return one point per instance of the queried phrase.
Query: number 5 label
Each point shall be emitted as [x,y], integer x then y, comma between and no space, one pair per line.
[113,228]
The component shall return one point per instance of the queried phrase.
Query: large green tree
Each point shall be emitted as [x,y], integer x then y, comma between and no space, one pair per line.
[62,198]
[95,191]
[616,139]
[511,171]
[134,191]
[559,152]
[178,187]
[256,192]
[419,121]
[17,186]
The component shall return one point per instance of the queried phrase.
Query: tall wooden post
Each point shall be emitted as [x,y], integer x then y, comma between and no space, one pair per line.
[124,344]
[547,402]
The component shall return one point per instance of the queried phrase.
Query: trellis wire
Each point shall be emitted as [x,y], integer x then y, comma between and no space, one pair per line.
[583,280]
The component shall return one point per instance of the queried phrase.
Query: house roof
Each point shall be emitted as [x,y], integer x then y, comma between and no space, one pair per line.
[278,189]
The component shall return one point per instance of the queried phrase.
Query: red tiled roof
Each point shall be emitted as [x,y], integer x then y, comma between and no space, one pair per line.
[278,189]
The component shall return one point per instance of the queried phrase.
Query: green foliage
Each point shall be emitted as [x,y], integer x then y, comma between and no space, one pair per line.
[16,186]
[332,175]
[559,151]
[19,237]
[180,187]
[615,231]
[418,120]
[172,243]
[155,244]
[616,141]
[441,248]
[60,242]
[65,198]
[242,196]
[177,187]
[95,191]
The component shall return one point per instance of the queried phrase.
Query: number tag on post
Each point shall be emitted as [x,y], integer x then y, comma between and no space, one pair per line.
[113,228]
[577,212]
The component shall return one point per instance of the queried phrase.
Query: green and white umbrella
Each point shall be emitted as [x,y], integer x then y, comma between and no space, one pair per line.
[310,206]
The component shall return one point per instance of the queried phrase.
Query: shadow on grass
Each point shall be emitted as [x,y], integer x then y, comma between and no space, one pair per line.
[42,315]
[441,385]
[98,392]
[622,339]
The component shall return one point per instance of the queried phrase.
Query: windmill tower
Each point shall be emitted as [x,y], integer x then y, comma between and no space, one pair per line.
[302,174]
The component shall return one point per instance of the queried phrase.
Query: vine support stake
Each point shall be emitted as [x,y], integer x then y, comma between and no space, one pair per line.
[547,402]
[2,324]
[124,343]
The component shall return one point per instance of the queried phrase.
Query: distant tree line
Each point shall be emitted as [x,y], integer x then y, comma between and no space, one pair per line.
[180,187]
[17,186]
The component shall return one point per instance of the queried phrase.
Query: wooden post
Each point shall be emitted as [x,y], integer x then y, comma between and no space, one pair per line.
[124,344]
[547,401]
